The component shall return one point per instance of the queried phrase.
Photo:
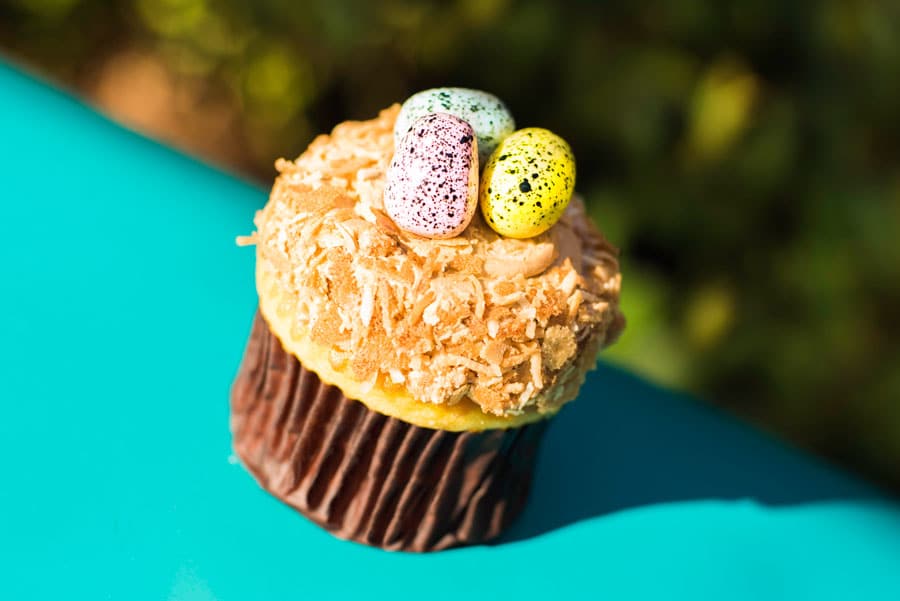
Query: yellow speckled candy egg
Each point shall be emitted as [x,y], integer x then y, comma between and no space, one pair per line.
[527,183]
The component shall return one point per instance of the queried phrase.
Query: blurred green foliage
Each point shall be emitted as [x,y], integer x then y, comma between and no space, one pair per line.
[745,155]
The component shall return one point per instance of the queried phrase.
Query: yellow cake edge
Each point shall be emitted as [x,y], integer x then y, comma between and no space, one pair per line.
[276,307]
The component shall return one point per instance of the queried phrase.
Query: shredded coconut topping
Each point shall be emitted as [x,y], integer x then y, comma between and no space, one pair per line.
[503,322]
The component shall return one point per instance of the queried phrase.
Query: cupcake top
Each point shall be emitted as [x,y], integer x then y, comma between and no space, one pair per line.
[476,318]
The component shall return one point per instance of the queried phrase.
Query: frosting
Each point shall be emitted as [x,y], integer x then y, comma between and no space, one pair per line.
[496,321]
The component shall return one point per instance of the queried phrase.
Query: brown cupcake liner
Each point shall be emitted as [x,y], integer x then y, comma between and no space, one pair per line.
[365,476]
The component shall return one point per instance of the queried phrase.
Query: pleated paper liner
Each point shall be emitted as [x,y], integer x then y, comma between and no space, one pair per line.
[365,476]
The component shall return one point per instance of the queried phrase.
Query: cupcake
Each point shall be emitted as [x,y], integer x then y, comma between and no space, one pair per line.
[417,326]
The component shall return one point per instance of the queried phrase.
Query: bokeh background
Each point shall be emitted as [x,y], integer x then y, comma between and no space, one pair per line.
[744,155]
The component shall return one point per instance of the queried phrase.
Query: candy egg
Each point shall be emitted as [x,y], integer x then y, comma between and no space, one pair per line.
[527,183]
[486,113]
[431,186]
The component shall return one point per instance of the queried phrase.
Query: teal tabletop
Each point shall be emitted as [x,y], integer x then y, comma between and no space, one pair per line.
[126,305]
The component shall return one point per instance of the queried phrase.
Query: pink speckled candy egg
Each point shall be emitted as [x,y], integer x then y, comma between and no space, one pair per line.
[431,186]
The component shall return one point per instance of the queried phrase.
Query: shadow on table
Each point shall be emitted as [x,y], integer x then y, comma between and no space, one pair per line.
[626,443]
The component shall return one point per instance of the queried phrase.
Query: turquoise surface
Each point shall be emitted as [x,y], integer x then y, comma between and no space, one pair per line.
[126,305]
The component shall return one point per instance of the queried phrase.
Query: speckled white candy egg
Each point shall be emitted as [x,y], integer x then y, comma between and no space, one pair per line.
[486,113]
[431,186]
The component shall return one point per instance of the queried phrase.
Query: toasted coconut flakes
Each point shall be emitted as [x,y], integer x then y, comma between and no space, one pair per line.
[505,288]
[385,302]
[514,388]
[430,314]
[526,394]
[385,222]
[550,304]
[493,352]
[493,328]
[514,359]
[476,328]
[279,261]
[509,299]
[558,346]
[246,240]
[512,329]
[567,286]
[349,241]
[367,359]
[326,329]
[419,307]
[367,305]
[574,303]
[481,368]
[536,378]
[459,394]
[492,401]
[527,312]
[493,319]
